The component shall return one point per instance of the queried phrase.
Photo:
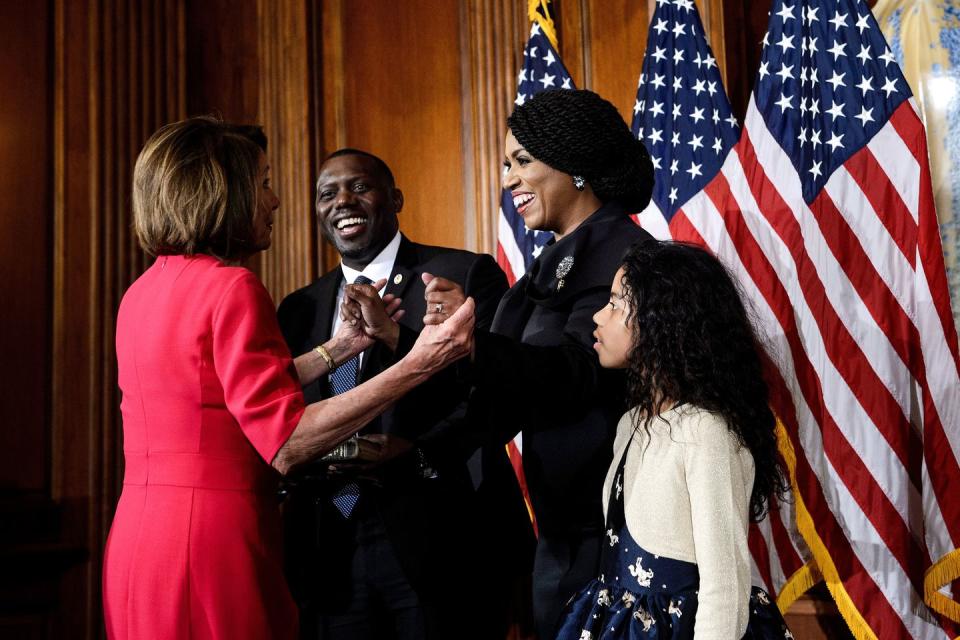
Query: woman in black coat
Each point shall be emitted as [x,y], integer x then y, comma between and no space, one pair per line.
[574,169]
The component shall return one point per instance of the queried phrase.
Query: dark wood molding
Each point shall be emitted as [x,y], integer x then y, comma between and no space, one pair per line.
[492,51]
[287,115]
[119,70]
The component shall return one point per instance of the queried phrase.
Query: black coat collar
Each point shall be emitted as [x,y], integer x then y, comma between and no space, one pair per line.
[583,259]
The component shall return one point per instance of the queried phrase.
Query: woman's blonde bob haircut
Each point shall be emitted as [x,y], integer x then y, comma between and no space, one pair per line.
[195,187]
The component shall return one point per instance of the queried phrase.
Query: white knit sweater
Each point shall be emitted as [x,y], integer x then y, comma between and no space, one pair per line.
[687,497]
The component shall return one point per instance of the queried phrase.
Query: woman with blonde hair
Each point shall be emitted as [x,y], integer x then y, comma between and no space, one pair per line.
[212,405]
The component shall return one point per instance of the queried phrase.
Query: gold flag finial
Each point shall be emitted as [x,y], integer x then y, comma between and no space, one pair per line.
[539,13]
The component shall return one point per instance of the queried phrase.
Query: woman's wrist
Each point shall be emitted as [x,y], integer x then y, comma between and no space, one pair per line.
[340,350]
[325,355]
[409,369]
[391,336]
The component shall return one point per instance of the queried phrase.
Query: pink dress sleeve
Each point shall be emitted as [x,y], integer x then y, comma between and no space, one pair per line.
[260,384]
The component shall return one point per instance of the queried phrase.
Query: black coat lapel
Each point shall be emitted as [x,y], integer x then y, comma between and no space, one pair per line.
[513,311]
[559,274]
[403,269]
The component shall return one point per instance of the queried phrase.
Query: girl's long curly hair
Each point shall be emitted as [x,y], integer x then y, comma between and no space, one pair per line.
[693,343]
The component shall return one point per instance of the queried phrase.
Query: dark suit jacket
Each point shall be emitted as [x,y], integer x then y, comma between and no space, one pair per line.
[428,520]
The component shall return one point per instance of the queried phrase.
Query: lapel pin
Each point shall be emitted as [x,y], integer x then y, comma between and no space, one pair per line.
[397,279]
[563,269]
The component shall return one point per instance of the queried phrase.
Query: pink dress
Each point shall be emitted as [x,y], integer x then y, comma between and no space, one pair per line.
[209,396]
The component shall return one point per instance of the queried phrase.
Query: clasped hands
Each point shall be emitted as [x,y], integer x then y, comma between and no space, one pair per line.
[446,337]
[368,318]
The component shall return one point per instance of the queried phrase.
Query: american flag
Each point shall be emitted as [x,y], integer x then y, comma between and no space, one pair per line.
[517,246]
[823,209]
[683,116]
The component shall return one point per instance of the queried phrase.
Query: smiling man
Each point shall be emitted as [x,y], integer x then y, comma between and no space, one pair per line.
[386,566]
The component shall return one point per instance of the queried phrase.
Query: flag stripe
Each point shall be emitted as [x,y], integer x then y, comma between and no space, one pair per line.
[939,381]
[790,561]
[883,196]
[863,589]
[893,329]
[682,230]
[908,125]
[652,220]
[896,337]
[760,555]
[504,263]
[508,253]
[901,166]
[851,227]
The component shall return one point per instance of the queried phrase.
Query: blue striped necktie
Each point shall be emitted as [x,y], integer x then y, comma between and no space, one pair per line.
[342,380]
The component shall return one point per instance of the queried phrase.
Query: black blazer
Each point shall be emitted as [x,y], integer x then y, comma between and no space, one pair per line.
[537,372]
[428,520]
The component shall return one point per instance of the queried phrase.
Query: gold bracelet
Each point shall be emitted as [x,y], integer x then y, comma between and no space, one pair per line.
[322,350]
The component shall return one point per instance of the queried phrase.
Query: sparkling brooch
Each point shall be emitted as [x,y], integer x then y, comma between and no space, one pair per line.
[566,264]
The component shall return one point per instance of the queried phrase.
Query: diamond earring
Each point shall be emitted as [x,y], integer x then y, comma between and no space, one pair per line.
[578,182]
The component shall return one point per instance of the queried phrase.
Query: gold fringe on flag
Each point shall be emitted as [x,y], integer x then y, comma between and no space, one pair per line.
[806,576]
[796,585]
[941,573]
[824,563]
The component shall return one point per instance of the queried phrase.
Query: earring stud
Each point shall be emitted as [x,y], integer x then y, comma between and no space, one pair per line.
[578,182]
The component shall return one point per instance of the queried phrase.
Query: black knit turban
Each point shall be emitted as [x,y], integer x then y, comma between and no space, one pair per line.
[580,133]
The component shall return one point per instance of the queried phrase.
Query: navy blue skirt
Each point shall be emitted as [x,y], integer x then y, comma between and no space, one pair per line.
[652,598]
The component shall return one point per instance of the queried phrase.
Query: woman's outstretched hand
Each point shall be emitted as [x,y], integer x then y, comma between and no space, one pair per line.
[440,344]
[443,298]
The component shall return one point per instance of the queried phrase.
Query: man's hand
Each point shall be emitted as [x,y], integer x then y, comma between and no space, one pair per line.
[377,318]
[443,298]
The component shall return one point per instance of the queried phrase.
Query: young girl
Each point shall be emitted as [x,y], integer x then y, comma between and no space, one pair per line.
[694,459]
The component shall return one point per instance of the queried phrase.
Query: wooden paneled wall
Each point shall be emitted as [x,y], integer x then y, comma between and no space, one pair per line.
[288,41]
[392,82]
[25,243]
[118,76]
[493,34]
[93,79]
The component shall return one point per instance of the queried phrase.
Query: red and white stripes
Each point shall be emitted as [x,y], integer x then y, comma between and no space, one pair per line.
[850,300]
